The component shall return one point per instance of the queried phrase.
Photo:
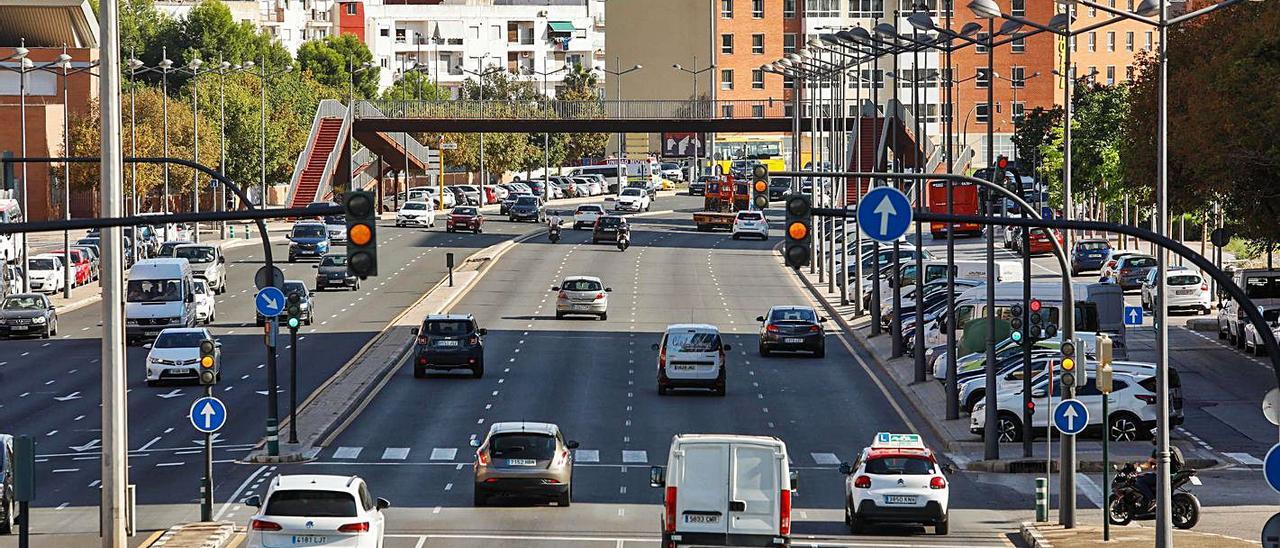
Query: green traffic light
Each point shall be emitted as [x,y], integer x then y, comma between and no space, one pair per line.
[293,323]
[1016,336]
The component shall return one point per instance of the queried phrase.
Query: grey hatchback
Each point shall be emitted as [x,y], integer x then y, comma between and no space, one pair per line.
[332,271]
[524,458]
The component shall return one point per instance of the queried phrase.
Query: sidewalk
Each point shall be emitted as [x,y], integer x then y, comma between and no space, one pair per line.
[1048,536]
[928,400]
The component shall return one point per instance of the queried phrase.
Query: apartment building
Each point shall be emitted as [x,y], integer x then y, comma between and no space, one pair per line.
[1109,53]
[296,21]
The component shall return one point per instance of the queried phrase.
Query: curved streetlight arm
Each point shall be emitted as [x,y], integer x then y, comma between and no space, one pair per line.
[1125,14]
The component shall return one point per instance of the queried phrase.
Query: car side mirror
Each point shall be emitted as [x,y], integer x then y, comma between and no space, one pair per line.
[608,290]
[254,501]
[413,331]
[654,346]
[1038,393]
[760,319]
[795,481]
[947,469]
[571,444]
[316,266]
[555,288]
[609,199]
[475,442]
[846,468]
[383,504]
[222,260]
[191,297]
[482,331]
[147,346]
[822,319]
[727,347]
[657,476]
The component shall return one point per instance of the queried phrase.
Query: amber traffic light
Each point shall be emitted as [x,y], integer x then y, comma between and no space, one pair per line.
[799,234]
[362,245]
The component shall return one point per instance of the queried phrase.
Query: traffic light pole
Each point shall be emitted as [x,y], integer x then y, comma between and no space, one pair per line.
[1027,441]
[206,483]
[293,384]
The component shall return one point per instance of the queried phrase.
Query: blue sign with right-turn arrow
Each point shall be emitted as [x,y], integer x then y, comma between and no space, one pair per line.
[1070,417]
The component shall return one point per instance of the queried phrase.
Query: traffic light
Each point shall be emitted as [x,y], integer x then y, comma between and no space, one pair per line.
[1035,331]
[799,235]
[362,246]
[293,310]
[1015,323]
[1068,364]
[760,187]
[1001,177]
[208,363]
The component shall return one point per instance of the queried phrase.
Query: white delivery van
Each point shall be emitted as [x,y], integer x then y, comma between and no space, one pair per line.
[11,244]
[725,490]
[160,294]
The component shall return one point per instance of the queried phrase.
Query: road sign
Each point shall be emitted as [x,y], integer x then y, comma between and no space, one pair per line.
[1271,532]
[884,214]
[260,278]
[448,146]
[1271,406]
[269,301]
[1133,315]
[1271,467]
[208,414]
[1070,417]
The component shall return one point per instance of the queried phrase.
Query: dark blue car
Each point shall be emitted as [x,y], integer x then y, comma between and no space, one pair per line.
[309,239]
[1089,255]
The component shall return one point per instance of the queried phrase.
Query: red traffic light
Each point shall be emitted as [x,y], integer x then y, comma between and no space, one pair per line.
[1002,162]
[1035,305]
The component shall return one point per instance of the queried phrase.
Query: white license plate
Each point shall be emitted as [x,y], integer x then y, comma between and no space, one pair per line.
[522,462]
[180,371]
[150,333]
[702,518]
[446,343]
[792,340]
[581,307]
[684,367]
[19,327]
[1186,291]
[309,540]
[899,499]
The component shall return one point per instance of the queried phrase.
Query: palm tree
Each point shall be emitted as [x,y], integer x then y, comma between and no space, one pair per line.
[580,83]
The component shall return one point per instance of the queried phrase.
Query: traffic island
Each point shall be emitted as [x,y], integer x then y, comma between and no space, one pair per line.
[210,534]
[1047,536]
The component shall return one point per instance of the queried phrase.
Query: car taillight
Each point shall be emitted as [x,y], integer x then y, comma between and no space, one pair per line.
[1125,271]
[264,525]
[784,514]
[771,328]
[669,506]
[1149,399]
[1204,286]
[561,459]
[359,527]
[938,482]
[482,456]
[473,340]
[814,329]
[422,340]
[599,296]
[863,482]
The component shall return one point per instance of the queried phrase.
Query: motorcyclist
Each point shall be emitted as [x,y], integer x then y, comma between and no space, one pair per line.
[1146,482]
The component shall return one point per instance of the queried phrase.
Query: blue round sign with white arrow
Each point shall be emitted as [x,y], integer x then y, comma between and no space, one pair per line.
[208,414]
[1070,417]
[884,214]
[269,301]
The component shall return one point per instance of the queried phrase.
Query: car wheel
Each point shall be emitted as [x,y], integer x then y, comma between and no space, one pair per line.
[1008,427]
[662,389]
[6,525]
[856,525]
[1123,427]
[821,352]
[719,391]
[152,383]
[564,499]
[559,315]
[477,371]
[940,528]
[764,352]
[479,498]
[735,236]
[259,322]
[419,373]
[477,231]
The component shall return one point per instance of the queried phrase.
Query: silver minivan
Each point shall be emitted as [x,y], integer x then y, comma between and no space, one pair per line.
[691,356]
[160,294]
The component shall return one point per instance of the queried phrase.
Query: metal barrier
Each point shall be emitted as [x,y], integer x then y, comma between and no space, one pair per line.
[552,109]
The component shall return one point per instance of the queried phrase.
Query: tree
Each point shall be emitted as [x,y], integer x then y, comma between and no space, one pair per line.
[416,86]
[330,61]
[580,85]
[1033,132]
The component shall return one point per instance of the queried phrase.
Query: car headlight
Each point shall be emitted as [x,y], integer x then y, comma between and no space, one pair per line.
[306,306]
[3,321]
[38,319]
[159,361]
[977,408]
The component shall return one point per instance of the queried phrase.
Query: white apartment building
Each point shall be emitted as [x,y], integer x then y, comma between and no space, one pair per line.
[296,21]
[450,40]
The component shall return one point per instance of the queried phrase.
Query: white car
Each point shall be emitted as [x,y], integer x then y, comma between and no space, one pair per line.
[45,273]
[175,354]
[1252,342]
[1186,289]
[691,356]
[632,199]
[896,480]
[594,185]
[206,262]
[317,510]
[416,213]
[582,295]
[205,303]
[473,194]
[750,223]
[586,215]
[431,195]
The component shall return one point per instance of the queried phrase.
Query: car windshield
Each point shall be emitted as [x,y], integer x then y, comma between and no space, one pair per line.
[334,260]
[1092,246]
[632,191]
[590,209]
[415,206]
[195,254]
[25,302]
[1270,315]
[166,249]
[750,216]
[294,286]
[1140,262]
[466,211]
[901,465]
[522,446]
[447,328]
[308,231]
[1184,279]
[311,504]
[183,339]
[581,285]
[610,222]
[793,315]
[526,200]
[698,341]
[154,291]
[335,220]
[200,286]
[42,264]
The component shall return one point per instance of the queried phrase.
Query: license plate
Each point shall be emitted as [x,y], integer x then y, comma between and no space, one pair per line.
[309,540]
[446,343]
[701,518]
[1186,291]
[180,371]
[522,462]
[150,333]
[19,328]
[792,340]
[899,499]
[580,307]
[684,367]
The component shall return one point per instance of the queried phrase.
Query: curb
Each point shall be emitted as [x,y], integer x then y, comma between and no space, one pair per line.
[1036,466]
[1031,536]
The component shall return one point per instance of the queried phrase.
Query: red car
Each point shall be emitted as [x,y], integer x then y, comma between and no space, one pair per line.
[1040,242]
[83,270]
[464,218]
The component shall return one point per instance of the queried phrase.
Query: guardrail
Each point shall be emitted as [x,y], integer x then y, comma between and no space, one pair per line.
[549,109]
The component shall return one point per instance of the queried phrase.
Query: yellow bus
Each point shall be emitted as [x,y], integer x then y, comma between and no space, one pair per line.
[770,150]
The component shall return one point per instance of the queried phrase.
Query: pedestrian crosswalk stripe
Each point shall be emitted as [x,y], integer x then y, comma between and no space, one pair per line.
[586,455]
[444,453]
[825,458]
[395,453]
[347,452]
[1244,458]
[632,457]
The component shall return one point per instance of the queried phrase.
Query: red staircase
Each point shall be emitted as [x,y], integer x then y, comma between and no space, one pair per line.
[871,132]
[309,181]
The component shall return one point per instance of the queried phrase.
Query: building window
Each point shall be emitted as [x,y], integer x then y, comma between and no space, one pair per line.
[866,9]
[982,113]
[788,43]
[1093,73]
[982,78]
[1093,41]
[757,43]
[351,8]
[1111,75]
[1019,8]
[757,111]
[788,111]
[909,6]
[822,8]
[726,9]
[1093,12]
[757,79]
[726,79]
[789,8]
[757,9]
[384,32]
[1149,41]
[1018,45]
[981,45]
[1018,77]
[727,111]
[1018,109]
[1111,41]
[1128,41]
[726,44]
[788,82]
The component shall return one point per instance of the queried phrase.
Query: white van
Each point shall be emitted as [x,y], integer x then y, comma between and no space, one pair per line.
[10,244]
[610,174]
[691,356]
[1261,286]
[160,294]
[1099,308]
[725,490]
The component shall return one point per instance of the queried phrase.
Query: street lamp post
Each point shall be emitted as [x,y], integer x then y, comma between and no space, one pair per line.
[264,77]
[194,68]
[694,73]
[63,65]
[480,73]
[546,136]
[24,66]
[165,66]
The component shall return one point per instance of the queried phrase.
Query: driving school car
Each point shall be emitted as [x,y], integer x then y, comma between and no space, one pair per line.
[895,480]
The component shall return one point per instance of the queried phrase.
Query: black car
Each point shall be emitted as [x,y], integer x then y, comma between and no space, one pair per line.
[510,200]
[449,341]
[27,315]
[699,187]
[526,208]
[606,229]
[779,187]
[333,272]
[792,328]
[308,305]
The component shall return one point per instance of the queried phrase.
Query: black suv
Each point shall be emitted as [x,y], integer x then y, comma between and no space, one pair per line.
[606,229]
[449,341]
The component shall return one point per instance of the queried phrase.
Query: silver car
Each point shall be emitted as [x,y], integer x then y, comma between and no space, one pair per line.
[524,458]
[584,295]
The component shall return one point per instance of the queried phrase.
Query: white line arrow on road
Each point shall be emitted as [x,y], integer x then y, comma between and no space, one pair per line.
[82,448]
[1071,415]
[208,414]
[885,210]
[68,397]
[172,394]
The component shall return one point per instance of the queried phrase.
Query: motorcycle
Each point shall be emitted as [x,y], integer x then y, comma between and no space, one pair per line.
[1127,503]
[624,240]
[554,232]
